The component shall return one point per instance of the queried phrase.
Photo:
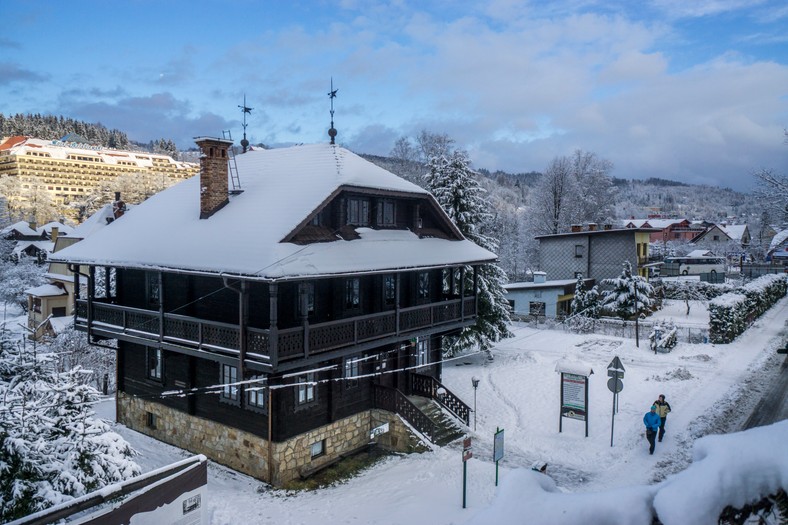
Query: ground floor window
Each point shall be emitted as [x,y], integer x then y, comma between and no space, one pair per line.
[536,308]
[306,389]
[229,378]
[154,363]
[318,448]
[255,394]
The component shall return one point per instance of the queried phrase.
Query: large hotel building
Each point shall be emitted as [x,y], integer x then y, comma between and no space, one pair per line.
[71,170]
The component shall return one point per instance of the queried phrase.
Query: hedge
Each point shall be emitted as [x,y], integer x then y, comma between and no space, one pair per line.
[730,314]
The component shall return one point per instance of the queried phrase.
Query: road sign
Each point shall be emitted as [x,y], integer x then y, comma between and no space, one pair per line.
[466,443]
[616,365]
[467,454]
[615,385]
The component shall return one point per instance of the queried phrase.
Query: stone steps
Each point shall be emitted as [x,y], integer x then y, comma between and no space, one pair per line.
[448,429]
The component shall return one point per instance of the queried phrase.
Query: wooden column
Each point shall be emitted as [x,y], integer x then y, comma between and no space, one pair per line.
[243,323]
[273,331]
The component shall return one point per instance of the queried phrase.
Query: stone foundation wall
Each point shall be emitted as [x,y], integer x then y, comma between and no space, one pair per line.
[248,453]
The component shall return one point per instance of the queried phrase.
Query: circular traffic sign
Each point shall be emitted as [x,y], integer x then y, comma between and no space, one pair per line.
[615,385]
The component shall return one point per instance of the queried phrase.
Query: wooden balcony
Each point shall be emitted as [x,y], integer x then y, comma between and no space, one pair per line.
[221,341]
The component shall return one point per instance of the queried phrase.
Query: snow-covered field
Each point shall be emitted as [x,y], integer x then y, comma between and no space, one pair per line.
[711,389]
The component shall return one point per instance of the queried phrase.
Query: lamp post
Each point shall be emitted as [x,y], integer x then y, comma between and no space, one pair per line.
[475,383]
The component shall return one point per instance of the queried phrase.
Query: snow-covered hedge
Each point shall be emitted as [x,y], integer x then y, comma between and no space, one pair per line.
[679,289]
[730,314]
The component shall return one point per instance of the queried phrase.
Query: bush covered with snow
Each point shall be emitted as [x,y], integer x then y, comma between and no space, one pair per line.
[678,290]
[730,314]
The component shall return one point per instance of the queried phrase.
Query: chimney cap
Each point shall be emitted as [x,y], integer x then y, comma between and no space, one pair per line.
[211,139]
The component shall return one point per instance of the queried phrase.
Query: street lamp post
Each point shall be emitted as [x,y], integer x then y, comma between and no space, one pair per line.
[475,383]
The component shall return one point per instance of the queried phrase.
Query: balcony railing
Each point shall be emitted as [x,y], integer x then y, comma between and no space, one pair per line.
[134,324]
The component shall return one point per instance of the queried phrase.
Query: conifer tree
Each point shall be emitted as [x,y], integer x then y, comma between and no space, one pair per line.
[52,449]
[586,302]
[630,296]
[453,183]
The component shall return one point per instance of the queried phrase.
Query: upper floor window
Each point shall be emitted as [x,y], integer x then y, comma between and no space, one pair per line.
[389,289]
[578,250]
[153,291]
[423,285]
[387,213]
[306,297]
[352,293]
[357,211]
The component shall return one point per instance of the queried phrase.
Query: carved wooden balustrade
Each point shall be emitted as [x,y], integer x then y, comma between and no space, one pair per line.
[139,325]
[395,401]
[430,387]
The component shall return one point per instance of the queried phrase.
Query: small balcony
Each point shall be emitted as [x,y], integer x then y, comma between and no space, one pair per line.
[268,349]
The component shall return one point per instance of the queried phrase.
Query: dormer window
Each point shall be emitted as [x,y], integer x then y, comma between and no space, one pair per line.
[387,213]
[357,211]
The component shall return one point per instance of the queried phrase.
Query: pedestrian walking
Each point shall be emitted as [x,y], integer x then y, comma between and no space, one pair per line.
[663,409]
[651,420]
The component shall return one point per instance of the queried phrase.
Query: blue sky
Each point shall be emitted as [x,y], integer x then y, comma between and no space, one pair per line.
[695,91]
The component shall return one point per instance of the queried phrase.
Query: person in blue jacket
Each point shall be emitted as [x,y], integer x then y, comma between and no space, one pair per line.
[652,422]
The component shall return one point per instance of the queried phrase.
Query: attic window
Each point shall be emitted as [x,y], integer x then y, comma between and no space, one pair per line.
[357,211]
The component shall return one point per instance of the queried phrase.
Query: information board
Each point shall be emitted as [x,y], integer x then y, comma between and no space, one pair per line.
[574,396]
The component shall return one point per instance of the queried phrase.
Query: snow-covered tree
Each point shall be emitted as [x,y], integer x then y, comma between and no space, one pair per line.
[586,302]
[72,350]
[52,448]
[630,295]
[18,276]
[453,183]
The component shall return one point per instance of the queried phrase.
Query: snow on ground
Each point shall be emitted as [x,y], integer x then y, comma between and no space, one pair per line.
[711,389]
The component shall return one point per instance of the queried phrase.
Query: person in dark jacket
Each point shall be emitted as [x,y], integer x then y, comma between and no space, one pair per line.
[651,420]
[663,409]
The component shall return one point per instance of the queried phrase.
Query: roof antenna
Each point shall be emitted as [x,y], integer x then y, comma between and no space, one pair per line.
[245,109]
[332,95]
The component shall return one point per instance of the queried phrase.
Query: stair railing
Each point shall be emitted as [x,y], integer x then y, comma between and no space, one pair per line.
[428,386]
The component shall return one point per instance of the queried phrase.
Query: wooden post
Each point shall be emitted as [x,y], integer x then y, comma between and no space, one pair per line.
[273,332]
[243,321]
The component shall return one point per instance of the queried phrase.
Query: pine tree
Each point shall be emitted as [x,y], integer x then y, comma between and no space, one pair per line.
[453,183]
[52,449]
[630,296]
[586,302]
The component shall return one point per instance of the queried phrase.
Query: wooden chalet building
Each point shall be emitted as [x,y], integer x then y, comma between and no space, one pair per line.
[274,310]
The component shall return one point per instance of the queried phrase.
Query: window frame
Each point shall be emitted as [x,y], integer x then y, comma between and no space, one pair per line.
[155,373]
[423,351]
[390,289]
[352,293]
[255,397]
[321,444]
[228,374]
[422,285]
[358,213]
[351,370]
[305,393]
[579,249]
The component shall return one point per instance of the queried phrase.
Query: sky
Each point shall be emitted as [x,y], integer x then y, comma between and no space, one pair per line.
[695,91]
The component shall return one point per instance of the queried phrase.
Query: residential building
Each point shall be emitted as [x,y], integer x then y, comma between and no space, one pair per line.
[593,253]
[543,298]
[725,237]
[669,229]
[292,315]
[51,306]
[71,170]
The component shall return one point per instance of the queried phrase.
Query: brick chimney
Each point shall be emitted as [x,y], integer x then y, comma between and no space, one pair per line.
[54,233]
[592,226]
[577,228]
[213,174]
[608,227]
[118,206]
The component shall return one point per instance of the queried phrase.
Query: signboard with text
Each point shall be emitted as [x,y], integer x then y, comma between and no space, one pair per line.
[573,389]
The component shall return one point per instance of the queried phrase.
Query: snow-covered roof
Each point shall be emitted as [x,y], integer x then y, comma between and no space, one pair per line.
[734,231]
[44,246]
[45,290]
[61,228]
[700,253]
[22,227]
[282,187]
[96,222]
[652,223]
[778,239]
[59,149]
[59,324]
[558,283]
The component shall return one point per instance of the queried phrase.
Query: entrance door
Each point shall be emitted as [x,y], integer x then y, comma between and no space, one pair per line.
[385,365]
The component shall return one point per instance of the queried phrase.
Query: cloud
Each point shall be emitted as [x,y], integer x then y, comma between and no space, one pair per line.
[10,73]
[9,44]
